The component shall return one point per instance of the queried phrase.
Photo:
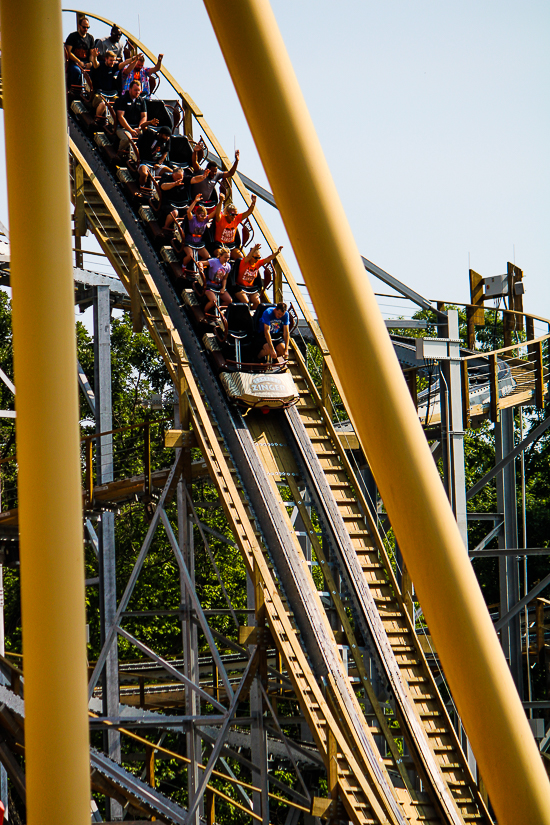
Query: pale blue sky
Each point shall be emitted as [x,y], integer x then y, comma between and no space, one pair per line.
[433,115]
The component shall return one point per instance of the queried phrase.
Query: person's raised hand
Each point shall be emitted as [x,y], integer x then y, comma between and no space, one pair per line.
[221,197]
[237,154]
[253,200]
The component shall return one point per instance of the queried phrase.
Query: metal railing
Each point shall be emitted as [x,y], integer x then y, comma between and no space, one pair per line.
[137,451]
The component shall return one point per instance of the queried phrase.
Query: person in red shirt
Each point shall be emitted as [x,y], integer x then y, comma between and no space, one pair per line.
[226,224]
[249,282]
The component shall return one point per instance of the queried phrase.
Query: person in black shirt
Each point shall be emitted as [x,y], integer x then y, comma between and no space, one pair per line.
[153,148]
[131,113]
[78,46]
[104,77]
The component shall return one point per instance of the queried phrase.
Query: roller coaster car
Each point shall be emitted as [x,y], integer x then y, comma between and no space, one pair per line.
[233,351]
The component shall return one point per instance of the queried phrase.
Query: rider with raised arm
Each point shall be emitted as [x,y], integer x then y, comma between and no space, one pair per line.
[226,224]
[216,271]
[137,71]
[104,76]
[207,186]
[197,221]
[175,194]
[249,282]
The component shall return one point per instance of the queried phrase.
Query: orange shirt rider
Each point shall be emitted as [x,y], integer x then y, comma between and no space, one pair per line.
[248,272]
[227,229]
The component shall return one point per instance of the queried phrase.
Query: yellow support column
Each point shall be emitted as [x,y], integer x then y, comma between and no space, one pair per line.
[48,449]
[383,411]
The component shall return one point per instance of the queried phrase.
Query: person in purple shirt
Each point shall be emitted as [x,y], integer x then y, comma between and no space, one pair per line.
[197,221]
[274,332]
[216,271]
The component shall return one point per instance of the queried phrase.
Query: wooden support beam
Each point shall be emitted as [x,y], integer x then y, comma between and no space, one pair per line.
[493,384]
[89,471]
[210,807]
[179,438]
[326,386]
[509,327]
[515,301]
[407,591]
[147,457]
[277,282]
[261,617]
[187,120]
[135,300]
[185,423]
[253,636]
[215,682]
[332,772]
[150,765]
[80,225]
[321,807]
[475,316]
[535,357]
[465,394]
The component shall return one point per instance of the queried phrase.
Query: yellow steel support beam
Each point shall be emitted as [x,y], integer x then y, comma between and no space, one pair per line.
[48,449]
[382,410]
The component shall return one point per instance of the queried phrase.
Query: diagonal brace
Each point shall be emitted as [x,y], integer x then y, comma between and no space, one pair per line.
[489,537]
[132,581]
[181,677]
[196,603]
[285,742]
[538,588]
[211,557]
[533,436]
[249,672]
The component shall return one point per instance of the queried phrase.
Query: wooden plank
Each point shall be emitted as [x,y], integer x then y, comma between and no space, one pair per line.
[179,438]
[321,807]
